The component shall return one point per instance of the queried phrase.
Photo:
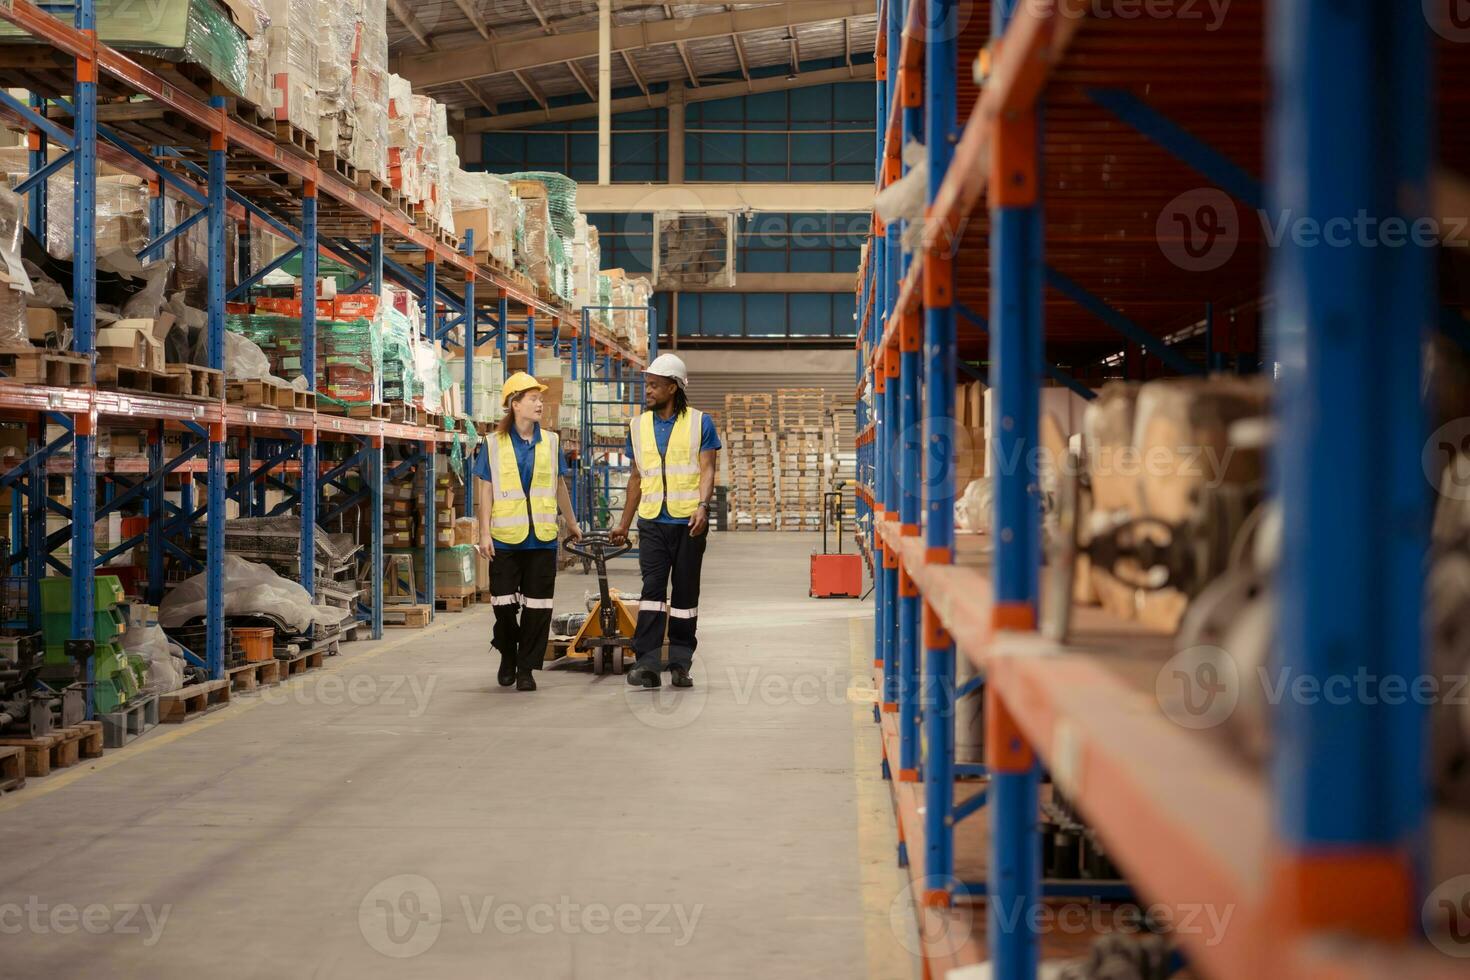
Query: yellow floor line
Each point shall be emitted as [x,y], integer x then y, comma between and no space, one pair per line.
[115,757]
[881,878]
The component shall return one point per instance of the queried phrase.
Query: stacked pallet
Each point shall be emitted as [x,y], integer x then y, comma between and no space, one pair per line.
[749,441]
[802,415]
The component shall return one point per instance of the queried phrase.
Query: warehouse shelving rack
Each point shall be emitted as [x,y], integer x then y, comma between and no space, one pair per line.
[231,171]
[601,440]
[1324,860]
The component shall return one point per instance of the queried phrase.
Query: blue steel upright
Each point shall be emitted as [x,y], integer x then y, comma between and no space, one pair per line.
[1351,804]
[375,455]
[84,336]
[430,446]
[910,459]
[308,370]
[1016,245]
[36,200]
[214,518]
[470,340]
[938,668]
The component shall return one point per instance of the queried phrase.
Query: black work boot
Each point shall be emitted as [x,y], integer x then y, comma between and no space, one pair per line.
[679,676]
[643,677]
[507,674]
[525,681]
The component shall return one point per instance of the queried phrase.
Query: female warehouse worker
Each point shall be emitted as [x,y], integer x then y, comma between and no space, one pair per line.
[520,469]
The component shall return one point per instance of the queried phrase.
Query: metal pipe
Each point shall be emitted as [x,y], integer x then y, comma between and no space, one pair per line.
[604,92]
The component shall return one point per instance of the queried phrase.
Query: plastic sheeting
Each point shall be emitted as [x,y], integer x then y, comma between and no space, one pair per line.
[250,589]
[16,284]
[292,63]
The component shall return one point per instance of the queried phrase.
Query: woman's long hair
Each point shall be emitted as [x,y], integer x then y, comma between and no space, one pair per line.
[509,418]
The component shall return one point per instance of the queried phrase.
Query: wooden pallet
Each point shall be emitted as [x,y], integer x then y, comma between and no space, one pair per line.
[39,367]
[133,719]
[291,136]
[300,662]
[269,394]
[406,616]
[376,410]
[330,160]
[255,674]
[404,413]
[193,700]
[12,768]
[455,603]
[59,748]
[197,382]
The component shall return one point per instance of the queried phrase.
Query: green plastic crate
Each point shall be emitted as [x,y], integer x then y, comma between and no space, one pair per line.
[56,594]
[107,626]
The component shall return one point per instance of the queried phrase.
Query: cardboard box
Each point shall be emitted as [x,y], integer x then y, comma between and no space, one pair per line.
[42,323]
[130,343]
[477,220]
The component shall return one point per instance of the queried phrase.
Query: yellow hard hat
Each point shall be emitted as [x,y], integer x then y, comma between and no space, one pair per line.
[517,383]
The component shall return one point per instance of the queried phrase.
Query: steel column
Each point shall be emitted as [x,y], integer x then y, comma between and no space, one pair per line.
[375,491]
[308,370]
[36,201]
[431,529]
[1350,798]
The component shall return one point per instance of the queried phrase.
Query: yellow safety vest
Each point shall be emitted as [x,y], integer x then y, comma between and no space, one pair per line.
[674,475]
[512,514]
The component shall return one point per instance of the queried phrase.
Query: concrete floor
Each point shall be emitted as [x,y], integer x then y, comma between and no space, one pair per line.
[400,815]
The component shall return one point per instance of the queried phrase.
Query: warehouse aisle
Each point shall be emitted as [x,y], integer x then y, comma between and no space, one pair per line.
[401,815]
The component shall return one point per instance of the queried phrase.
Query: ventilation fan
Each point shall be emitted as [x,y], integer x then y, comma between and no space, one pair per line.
[693,248]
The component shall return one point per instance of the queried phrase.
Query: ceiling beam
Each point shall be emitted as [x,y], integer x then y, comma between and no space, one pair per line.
[473,16]
[740,56]
[688,64]
[540,17]
[847,40]
[496,57]
[530,86]
[474,90]
[582,80]
[706,93]
[633,70]
[405,17]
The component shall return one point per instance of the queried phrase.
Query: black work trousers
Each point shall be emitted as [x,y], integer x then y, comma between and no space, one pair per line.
[668,551]
[521,587]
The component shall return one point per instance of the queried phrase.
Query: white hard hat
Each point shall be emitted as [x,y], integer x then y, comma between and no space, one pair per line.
[669,366]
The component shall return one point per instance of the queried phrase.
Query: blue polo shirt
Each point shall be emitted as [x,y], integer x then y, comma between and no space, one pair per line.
[662,428]
[525,451]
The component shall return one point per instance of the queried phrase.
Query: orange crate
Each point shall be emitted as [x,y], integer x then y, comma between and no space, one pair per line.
[256,641]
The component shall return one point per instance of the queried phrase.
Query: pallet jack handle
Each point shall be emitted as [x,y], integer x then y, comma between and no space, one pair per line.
[827,510]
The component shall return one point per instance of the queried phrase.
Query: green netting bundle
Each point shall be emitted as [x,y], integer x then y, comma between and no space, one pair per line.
[400,382]
[561,199]
[348,353]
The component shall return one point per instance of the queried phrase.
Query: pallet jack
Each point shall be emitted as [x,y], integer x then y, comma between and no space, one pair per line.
[604,641]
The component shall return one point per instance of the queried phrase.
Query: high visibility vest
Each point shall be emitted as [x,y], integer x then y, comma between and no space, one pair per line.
[512,513]
[674,475]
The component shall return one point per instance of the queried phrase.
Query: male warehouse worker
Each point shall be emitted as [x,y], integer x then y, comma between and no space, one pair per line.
[673,449]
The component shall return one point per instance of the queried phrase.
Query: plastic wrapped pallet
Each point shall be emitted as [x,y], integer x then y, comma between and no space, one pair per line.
[405,138]
[348,356]
[400,382]
[535,255]
[292,63]
[198,32]
[368,149]
[561,198]
[14,284]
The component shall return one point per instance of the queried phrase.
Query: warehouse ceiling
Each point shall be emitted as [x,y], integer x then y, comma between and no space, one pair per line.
[486,53]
